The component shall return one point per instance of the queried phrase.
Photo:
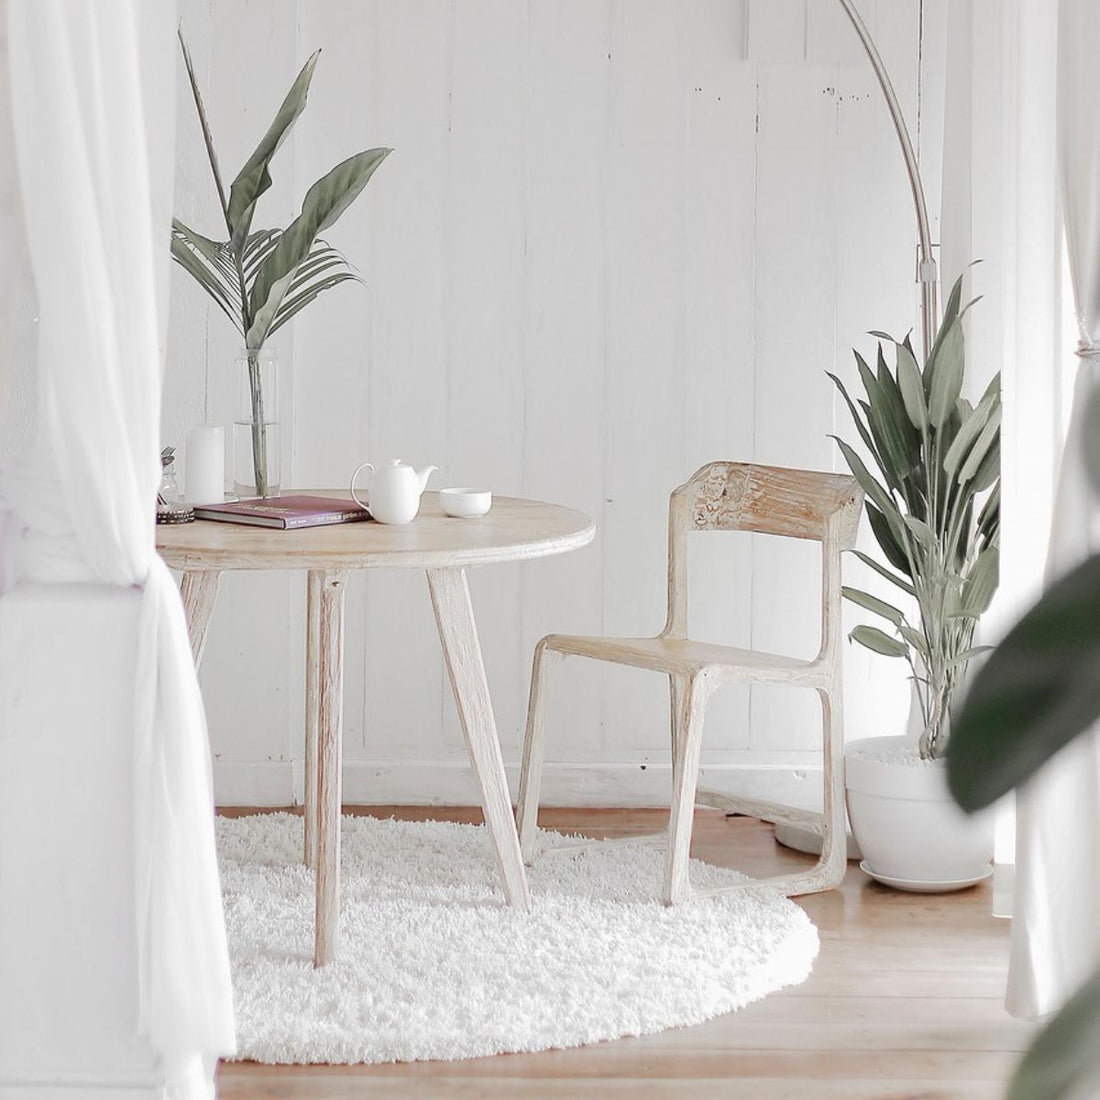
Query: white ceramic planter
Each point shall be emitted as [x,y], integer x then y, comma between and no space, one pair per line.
[908,828]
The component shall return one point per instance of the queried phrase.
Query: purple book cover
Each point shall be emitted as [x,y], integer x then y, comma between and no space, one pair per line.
[286,512]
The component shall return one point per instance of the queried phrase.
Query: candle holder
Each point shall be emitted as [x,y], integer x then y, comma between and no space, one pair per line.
[171,507]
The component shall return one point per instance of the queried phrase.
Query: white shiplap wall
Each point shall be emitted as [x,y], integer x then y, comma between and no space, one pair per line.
[18,334]
[618,238]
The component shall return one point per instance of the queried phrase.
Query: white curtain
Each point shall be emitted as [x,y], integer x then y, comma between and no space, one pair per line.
[93,116]
[1023,108]
[1056,936]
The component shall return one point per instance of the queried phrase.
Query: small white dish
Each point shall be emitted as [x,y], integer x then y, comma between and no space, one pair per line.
[921,886]
[465,503]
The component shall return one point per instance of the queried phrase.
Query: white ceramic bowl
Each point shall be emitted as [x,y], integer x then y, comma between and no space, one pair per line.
[465,503]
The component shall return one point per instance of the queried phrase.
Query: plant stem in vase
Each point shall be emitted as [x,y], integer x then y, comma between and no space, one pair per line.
[259,428]
[256,443]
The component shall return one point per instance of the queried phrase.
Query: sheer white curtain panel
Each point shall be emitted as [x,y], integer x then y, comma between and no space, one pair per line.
[1055,934]
[93,108]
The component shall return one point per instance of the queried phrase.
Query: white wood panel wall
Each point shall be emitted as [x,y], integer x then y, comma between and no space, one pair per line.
[617,239]
[18,335]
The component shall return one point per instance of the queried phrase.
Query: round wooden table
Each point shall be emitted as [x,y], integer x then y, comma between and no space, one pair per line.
[514,530]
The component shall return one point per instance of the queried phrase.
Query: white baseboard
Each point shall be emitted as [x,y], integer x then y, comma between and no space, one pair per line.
[450,783]
[271,783]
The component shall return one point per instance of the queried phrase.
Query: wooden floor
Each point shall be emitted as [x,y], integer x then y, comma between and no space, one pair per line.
[905,1003]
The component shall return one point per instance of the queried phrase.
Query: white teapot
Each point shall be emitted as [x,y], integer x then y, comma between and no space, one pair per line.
[394,495]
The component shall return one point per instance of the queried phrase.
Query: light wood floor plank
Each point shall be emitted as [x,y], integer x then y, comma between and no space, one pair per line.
[905,1003]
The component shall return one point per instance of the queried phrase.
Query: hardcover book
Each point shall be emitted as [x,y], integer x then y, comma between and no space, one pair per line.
[287,512]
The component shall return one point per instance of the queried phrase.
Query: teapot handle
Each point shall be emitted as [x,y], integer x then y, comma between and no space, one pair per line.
[354,478]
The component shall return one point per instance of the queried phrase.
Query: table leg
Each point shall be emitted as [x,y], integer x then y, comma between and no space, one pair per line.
[330,718]
[454,618]
[199,591]
[314,583]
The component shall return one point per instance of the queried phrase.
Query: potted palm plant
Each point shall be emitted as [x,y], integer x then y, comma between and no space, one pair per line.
[933,499]
[261,278]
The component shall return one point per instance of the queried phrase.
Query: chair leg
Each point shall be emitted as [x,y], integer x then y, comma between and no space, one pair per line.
[677,690]
[530,778]
[687,743]
[834,837]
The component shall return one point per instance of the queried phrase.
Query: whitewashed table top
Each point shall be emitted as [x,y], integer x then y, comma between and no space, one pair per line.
[514,530]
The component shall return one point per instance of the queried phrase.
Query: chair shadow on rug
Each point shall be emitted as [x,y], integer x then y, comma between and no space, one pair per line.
[727,496]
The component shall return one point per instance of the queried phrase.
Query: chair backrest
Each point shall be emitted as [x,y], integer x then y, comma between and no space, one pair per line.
[772,500]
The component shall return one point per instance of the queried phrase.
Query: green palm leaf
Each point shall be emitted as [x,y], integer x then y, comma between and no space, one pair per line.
[889,542]
[325,201]
[873,604]
[912,389]
[291,305]
[983,445]
[968,434]
[875,639]
[882,571]
[945,375]
[950,313]
[202,259]
[254,178]
[257,248]
[982,582]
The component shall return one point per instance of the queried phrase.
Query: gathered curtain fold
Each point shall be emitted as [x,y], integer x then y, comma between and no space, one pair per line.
[94,135]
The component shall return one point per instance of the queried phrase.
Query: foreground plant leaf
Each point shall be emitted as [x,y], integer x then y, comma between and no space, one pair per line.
[1039,689]
[1066,1055]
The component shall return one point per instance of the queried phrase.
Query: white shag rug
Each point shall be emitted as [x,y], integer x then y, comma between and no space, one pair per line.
[434,965]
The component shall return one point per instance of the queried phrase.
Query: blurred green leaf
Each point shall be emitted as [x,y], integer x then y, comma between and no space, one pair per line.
[1039,689]
[1063,1063]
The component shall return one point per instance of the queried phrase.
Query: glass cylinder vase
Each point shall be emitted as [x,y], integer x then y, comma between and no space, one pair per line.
[256,442]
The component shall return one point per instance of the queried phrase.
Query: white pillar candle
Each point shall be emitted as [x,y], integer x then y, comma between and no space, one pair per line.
[205,469]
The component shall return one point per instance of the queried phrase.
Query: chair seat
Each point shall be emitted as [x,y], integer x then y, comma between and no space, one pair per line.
[682,655]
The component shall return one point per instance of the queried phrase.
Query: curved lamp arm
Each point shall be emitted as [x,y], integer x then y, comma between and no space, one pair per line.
[927,268]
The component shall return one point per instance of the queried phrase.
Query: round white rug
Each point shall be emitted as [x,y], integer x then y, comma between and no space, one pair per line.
[433,965]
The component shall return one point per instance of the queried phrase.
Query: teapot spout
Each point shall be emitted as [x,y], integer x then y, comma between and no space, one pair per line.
[423,475]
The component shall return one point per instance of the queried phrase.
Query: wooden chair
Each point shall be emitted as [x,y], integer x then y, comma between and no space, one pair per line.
[727,496]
